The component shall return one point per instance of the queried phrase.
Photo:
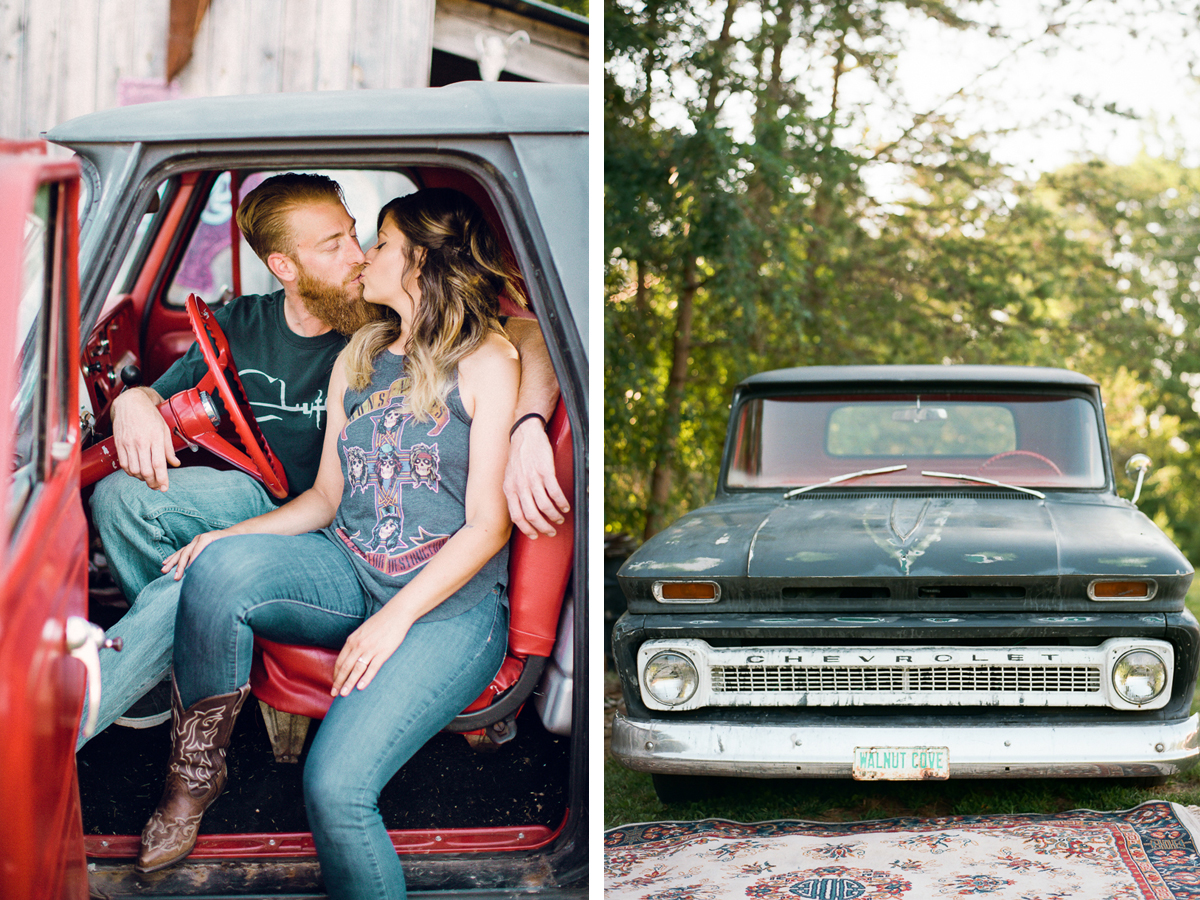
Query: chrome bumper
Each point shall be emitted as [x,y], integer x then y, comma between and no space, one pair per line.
[976,751]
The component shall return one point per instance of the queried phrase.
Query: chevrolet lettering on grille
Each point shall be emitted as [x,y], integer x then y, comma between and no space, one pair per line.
[941,656]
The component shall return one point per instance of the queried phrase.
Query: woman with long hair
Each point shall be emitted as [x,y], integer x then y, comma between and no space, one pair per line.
[419,618]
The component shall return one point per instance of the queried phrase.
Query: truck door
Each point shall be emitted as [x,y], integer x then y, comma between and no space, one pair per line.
[43,533]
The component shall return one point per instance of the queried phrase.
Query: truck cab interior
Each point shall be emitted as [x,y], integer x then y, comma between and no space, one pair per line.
[499,786]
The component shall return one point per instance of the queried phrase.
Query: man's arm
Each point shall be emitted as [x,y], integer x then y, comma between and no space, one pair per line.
[142,436]
[535,500]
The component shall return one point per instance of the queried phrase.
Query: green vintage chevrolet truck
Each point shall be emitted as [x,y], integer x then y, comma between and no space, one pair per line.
[910,572]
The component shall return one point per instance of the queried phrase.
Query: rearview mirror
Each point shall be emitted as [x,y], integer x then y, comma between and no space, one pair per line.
[919,414]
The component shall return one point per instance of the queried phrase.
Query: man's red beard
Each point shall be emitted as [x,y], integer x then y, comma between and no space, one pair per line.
[341,307]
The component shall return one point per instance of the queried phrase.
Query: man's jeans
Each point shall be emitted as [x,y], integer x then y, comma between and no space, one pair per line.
[140,528]
[253,584]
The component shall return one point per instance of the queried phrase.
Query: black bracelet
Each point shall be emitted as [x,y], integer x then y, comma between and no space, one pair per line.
[545,424]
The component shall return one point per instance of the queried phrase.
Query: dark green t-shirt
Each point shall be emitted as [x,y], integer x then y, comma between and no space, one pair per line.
[286,377]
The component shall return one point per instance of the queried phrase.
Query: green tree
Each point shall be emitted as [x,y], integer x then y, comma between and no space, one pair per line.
[741,242]
[1144,219]
[726,233]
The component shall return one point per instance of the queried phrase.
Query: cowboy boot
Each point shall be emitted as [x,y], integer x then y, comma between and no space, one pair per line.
[195,776]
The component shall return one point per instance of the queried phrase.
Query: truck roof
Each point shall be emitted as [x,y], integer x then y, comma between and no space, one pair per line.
[466,108]
[926,374]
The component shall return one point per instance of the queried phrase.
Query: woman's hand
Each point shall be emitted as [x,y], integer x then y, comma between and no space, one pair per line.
[368,648]
[184,556]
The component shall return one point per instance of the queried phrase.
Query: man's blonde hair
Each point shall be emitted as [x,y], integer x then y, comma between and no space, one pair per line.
[263,213]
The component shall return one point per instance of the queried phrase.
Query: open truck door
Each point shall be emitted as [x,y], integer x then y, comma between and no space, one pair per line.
[43,533]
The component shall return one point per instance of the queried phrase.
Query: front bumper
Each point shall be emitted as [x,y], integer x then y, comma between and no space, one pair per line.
[809,750]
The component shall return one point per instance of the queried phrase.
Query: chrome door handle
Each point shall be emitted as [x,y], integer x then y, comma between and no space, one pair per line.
[84,640]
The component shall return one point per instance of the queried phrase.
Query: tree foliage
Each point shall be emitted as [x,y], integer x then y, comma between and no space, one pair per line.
[575,6]
[754,219]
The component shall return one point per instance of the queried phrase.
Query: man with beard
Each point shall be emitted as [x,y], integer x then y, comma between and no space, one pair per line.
[284,345]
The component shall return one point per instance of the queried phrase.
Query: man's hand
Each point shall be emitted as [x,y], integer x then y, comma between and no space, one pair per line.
[534,498]
[142,437]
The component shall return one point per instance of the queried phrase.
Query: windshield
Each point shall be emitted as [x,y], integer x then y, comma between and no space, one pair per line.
[1039,441]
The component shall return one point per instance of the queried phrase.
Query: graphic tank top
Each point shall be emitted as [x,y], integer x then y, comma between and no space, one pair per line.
[404,490]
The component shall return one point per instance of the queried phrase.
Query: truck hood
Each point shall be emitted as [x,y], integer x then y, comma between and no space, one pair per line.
[936,537]
[881,536]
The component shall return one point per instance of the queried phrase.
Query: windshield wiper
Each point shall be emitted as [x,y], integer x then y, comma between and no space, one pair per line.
[840,478]
[981,480]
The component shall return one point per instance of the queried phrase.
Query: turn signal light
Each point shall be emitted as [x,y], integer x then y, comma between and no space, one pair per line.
[1121,590]
[687,591]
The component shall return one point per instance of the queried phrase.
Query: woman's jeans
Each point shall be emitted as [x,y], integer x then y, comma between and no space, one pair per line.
[303,590]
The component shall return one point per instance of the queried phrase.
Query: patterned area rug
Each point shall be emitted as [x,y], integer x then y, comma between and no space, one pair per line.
[1146,853]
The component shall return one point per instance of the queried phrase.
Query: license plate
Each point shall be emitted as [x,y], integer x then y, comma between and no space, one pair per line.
[901,763]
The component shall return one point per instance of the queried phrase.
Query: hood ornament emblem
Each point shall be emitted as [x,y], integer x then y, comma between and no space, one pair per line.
[907,536]
[905,546]
[905,551]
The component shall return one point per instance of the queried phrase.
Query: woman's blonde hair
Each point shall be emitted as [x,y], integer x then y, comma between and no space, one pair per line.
[463,273]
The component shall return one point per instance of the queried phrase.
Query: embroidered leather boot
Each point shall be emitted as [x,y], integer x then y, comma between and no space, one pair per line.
[195,777]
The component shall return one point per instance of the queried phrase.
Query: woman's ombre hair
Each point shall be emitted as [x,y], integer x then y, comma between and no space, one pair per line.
[462,275]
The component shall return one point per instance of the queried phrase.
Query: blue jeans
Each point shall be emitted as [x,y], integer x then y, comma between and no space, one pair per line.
[139,529]
[242,586]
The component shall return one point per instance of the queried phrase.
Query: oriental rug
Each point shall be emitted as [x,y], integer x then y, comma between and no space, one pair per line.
[1146,853]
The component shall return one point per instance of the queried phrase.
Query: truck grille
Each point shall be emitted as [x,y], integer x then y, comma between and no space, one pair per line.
[925,679]
[929,677]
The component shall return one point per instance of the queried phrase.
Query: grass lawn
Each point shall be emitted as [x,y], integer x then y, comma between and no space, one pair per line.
[629,796]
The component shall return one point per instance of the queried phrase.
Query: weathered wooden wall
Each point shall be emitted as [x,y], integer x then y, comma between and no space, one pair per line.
[552,53]
[64,58]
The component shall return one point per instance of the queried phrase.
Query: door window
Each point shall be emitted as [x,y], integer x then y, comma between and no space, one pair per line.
[43,359]
[206,268]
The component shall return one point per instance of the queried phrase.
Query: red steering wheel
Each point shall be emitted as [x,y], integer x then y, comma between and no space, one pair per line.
[257,460]
[193,418]
[1009,454]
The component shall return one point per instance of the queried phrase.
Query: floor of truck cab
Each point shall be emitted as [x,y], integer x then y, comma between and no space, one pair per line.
[446,785]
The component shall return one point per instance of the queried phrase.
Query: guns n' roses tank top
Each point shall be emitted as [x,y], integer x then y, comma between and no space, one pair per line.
[404,490]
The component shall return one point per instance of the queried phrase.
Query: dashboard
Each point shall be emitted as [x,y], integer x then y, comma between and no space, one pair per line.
[112,348]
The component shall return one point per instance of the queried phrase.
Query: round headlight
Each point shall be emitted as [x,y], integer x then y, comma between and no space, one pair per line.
[670,678]
[1139,676]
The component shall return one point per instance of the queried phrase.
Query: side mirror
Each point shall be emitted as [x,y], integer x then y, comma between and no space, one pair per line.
[1136,468]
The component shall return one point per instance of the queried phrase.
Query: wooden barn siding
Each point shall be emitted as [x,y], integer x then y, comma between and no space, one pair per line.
[63,58]
[553,54]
